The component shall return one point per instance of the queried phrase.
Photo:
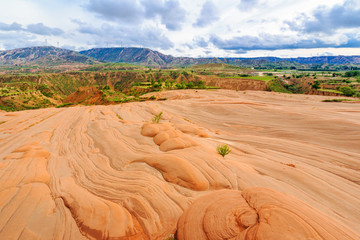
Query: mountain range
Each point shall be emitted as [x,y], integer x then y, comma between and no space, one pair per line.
[50,56]
[43,56]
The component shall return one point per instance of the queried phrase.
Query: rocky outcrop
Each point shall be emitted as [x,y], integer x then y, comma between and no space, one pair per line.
[235,83]
[109,172]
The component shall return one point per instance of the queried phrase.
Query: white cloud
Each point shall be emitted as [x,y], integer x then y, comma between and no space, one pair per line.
[185,27]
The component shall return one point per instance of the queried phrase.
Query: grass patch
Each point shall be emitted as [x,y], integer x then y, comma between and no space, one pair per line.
[330,90]
[223,150]
[157,117]
[336,100]
[119,117]
[275,86]
[260,78]
[65,105]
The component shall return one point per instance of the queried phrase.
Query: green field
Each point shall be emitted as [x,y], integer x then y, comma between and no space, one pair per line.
[330,90]
[261,78]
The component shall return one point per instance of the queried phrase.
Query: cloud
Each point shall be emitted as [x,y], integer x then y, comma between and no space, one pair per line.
[276,42]
[41,29]
[201,42]
[170,12]
[128,11]
[15,40]
[117,35]
[38,28]
[85,28]
[247,4]
[328,20]
[208,15]
[10,27]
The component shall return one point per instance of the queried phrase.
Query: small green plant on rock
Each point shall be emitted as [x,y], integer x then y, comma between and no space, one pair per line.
[157,117]
[223,149]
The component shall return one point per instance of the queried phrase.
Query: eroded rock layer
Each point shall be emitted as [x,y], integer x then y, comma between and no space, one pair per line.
[109,172]
[257,213]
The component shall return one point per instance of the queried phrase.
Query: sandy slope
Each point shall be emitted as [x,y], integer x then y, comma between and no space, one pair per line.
[82,172]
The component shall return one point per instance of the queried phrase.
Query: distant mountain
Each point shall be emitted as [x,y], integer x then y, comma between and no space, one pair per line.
[43,56]
[148,57]
[336,60]
[140,56]
[51,56]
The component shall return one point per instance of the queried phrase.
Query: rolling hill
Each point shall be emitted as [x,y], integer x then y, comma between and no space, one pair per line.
[148,57]
[141,56]
[42,56]
[52,56]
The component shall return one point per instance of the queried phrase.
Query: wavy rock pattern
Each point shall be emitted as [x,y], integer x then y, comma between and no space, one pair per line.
[257,213]
[82,173]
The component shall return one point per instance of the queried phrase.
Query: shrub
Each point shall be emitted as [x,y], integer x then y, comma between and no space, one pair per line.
[157,85]
[181,85]
[275,86]
[352,73]
[190,85]
[136,84]
[335,100]
[316,85]
[185,73]
[157,117]
[246,75]
[223,149]
[348,91]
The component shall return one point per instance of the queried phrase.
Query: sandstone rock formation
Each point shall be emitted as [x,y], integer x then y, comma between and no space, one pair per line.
[256,213]
[108,172]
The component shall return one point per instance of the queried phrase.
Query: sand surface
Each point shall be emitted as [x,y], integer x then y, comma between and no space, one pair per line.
[108,172]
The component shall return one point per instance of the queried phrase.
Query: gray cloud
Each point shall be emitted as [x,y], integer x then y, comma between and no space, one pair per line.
[328,20]
[170,12]
[276,42]
[128,11]
[38,28]
[15,40]
[41,29]
[85,28]
[201,42]
[208,15]
[10,27]
[125,35]
[172,15]
[248,4]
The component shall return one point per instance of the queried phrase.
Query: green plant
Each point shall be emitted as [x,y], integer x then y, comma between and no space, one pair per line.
[65,105]
[190,85]
[157,117]
[223,149]
[348,91]
[336,100]
[171,238]
[316,85]
[119,117]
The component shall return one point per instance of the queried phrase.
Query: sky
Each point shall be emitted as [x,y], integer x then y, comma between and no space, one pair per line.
[189,28]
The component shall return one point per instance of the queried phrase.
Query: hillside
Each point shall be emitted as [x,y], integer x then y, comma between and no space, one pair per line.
[148,57]
[51,56]
[42,56]
[141,56]
[109,172]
